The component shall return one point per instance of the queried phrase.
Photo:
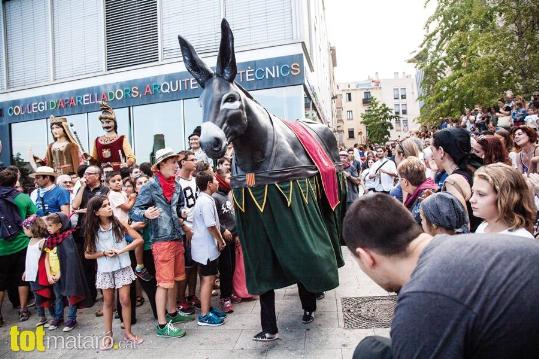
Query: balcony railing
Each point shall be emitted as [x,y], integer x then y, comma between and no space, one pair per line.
[367,101]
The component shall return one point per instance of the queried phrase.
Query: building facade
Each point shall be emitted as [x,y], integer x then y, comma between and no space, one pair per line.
[399,93]
[62,57]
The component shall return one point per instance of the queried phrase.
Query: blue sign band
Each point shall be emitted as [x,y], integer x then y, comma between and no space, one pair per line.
[252,75]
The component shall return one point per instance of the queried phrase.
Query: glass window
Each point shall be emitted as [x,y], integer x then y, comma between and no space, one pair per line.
[285,102]
[398,124]
[192,117]
[395,94]
[349,115]
[348,96]
[367,95]
[403,93]
[404,109]
[351,133]
[397,109]
[29,135]
[151,120]
[95,129]
[78,124]
[405,125]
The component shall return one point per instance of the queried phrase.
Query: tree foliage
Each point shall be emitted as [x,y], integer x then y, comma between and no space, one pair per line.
[377,120]
[473,50]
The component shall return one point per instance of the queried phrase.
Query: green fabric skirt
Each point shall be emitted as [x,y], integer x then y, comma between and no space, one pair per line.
[289,234]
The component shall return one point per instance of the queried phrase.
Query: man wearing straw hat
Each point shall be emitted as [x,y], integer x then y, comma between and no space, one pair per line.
[48,197]
[159,203]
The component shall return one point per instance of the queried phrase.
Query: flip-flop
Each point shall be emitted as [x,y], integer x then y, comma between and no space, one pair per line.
[135,340]
[107,335]
[139,301]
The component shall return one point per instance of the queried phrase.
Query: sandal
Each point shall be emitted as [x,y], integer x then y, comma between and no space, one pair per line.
[135,339]
[24,315]
[139,301]
[107,336]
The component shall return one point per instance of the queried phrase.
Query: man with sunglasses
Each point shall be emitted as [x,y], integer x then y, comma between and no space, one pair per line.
[187,166]
[90,187]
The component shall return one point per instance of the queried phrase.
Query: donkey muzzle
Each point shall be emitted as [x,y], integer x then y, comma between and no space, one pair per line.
[213,140]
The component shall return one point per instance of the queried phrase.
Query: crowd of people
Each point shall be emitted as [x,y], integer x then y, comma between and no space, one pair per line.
[159,228]
[152,228]
[487,164]
[459,248]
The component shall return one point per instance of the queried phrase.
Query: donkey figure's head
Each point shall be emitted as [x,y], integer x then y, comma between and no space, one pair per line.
[223,106]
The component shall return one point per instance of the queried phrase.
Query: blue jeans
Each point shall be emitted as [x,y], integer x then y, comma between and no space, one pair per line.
[59,306]
[40,310]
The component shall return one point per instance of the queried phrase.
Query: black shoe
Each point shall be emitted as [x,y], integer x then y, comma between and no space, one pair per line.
[144,275]
[265,337]
[1,321]
[308,317]
[320,296]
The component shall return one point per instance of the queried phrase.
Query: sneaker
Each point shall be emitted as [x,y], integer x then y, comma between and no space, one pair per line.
[169,331]
[218,313]
[235,299]
[320,296]
[69,325]
[210,320]
[55,323]
[42,321]
[265,337]
[143,274]
[194,301]
[226,305]
[308,317]
[179,318]
[24,315]
[186,309]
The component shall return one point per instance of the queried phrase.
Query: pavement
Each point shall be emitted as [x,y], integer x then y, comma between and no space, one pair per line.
[323,338]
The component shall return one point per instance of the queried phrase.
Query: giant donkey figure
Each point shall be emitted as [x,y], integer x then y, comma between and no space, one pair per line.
[287,187]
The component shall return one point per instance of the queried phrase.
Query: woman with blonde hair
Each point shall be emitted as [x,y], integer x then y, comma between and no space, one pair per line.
[502,198]
[403,150]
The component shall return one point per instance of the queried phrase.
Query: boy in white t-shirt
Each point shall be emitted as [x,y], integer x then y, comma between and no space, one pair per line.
[121,204]
[206,244]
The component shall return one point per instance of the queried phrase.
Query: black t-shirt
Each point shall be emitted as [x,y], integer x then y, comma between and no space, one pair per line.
[471,296]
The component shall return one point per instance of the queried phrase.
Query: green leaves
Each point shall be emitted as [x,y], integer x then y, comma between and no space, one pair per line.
[473,51]
[377,120]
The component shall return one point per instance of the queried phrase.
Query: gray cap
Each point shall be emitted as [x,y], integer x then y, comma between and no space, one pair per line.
[444,210]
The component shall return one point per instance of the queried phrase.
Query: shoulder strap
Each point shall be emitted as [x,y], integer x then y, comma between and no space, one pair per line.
[382,165]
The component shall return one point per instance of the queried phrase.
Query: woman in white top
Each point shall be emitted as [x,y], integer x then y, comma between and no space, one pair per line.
[503,199]
[369,184]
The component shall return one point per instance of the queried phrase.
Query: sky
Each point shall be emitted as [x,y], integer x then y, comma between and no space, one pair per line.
[375,36]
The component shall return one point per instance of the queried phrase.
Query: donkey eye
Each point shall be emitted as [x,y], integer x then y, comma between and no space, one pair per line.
[230,98]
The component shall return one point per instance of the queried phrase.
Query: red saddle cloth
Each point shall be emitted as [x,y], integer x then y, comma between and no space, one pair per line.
[321,159]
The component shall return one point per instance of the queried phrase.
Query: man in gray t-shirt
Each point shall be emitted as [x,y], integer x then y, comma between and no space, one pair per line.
[471,296]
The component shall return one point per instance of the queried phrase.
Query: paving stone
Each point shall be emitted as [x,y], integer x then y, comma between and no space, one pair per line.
[335,338]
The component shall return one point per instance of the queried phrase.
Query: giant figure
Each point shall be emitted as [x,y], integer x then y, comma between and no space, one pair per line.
[287,187]
[111,148]
[64,154]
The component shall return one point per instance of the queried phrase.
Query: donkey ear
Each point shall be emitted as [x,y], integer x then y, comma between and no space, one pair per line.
[226,60]
[193,63]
